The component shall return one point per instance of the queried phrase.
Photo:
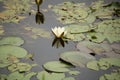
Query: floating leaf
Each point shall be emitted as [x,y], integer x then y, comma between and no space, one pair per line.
[110,30]
[78,28]
[111,61]
[29,75]
[6,51]
[111,76]
[76,58]
[93,65]
[17,41]
[43,75]
[56,66]
[90,19]
[103,63]
[15,76]
[21,67]
[96,37]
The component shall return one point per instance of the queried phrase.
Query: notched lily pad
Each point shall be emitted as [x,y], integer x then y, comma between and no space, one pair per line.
[57,66]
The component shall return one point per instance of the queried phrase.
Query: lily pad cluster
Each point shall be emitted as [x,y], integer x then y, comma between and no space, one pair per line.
[111,76]
[17,76]
[10,54]
[43,75]
[103,63]
[70,12]
[10,50]
[37,32]
[14,10]
[82,23]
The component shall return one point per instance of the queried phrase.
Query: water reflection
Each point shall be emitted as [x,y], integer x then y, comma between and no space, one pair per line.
[39,18]
[58,42]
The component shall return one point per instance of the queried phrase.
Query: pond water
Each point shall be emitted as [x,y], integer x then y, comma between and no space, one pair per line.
[42,48]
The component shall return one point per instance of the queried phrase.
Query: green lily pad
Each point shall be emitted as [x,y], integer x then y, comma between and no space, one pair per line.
[15,76]
[29,75]
[56,66]
[76,58]
[93,65]
[111,61]
[43,75]
[77,28]
[110,30]
[90,19]
[96,37]
[21,67]
[111,76]
[6,53]
[7,50]
[17,41]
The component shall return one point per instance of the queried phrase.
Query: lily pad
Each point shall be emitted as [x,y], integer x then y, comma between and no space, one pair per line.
[21,67]
[93,65]
[15,76]
[17,41]
[57,66]
[103,63]
[74,72]
[43,75]
[6,51]
[111,76]
[95,37]
[76,58]
[78,28]
[29,75]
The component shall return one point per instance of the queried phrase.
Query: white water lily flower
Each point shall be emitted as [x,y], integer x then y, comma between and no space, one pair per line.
[59,31]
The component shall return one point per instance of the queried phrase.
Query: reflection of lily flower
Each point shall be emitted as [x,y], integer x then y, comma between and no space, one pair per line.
[58,42]
[39,17]
[59,32]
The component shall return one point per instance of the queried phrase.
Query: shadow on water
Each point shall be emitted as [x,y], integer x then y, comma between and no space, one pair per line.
[39,18]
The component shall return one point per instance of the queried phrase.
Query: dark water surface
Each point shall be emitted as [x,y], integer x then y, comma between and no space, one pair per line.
[42,47]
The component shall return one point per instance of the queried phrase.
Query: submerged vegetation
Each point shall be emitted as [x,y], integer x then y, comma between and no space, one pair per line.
[95,29]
